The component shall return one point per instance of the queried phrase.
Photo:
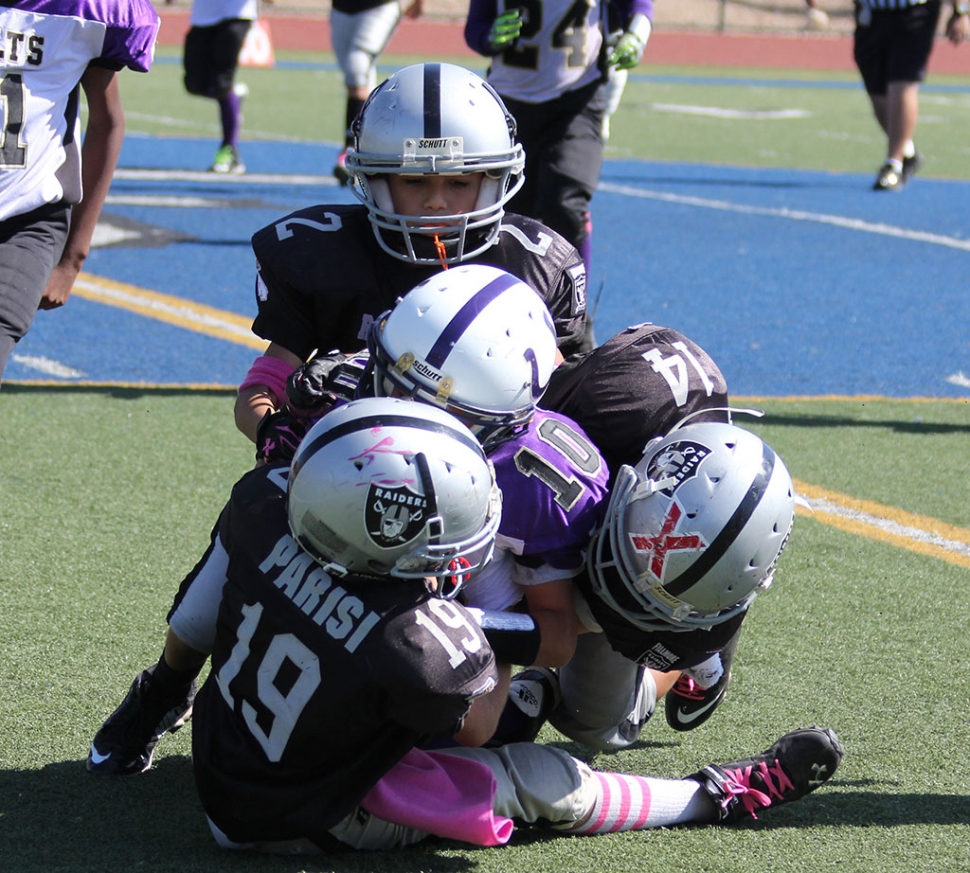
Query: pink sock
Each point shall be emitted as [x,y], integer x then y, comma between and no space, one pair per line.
[623,804]
[631,803]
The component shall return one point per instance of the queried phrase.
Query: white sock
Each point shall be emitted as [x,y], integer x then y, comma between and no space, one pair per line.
[909,150]
[634,803]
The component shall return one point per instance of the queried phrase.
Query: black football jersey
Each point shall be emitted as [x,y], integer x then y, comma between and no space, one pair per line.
[323,279]
[318,685]
[659,650]
[634,387]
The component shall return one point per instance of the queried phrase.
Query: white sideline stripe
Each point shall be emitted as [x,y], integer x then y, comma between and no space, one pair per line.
[740,114]
[223,178]
[173,202]
[793,215]
[893,528]
[48,366]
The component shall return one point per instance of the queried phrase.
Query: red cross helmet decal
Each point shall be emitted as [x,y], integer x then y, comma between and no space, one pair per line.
[666,541]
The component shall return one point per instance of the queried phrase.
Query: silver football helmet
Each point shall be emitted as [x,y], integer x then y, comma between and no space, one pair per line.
[385,487]
[435,119]
[693,532]
[474,340]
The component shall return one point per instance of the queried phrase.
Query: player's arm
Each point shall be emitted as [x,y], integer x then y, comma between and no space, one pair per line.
[551,607]
[103,136]
[482,719]
[264,388]
[958,25]
[482,18]
[625,50]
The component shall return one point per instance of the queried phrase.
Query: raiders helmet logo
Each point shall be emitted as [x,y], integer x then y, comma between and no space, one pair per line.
[394,516]
[678,460]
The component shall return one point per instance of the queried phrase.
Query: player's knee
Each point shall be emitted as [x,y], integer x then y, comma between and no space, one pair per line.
[196,85]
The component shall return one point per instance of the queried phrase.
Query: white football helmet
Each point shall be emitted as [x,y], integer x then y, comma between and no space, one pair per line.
[385,487]
[435,119]
[693,532]
[474,340]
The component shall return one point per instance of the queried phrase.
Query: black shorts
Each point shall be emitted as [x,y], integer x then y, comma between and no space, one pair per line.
[30,247]
[895,45]
[212,55]
[563,143]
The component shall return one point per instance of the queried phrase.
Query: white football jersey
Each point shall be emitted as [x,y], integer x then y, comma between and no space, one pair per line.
[45,47]
[206,13]
[557,51]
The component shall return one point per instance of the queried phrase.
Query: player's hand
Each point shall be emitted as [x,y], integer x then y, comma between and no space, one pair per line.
[624,51]
[277,436]
[958,28]
[505,30]
[307,389]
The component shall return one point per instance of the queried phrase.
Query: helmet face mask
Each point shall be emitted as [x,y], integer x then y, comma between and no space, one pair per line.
[435,119]
[692,534]
[384,487]
[473,340]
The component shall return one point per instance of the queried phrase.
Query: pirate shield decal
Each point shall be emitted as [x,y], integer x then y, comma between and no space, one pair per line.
[394,516]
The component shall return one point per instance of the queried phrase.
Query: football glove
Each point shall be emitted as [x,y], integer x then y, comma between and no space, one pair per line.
[308,392]
[277,436]
[505,30]
[624,51]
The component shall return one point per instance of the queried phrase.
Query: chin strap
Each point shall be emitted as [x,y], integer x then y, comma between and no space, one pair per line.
[439,247]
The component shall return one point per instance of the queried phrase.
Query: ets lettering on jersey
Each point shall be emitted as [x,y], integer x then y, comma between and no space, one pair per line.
[343,616]
[18,48]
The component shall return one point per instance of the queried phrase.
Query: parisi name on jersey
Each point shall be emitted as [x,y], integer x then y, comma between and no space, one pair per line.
[343,616]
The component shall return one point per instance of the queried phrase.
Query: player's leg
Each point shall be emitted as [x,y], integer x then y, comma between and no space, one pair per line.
[906,69]
[30,247]
[606,698]
[536,783]
[571,166]
[161,697]
[358,40]
[223,61]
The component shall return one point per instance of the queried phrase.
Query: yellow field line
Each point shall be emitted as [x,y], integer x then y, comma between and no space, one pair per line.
[917,533]
[173,310]
[921,534]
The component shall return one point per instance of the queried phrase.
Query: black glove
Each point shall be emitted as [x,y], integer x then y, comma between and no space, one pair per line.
[308,387]
[277,436]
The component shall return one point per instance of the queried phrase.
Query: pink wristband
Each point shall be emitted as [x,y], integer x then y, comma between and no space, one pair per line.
[271,372]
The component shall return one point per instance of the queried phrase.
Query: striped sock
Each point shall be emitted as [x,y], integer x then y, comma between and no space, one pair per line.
[634,803]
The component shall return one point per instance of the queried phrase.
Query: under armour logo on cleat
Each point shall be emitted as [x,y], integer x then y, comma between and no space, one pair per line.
[821,772]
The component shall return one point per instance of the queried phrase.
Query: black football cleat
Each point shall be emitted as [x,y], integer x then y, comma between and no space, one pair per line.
[794,766]
[911,166]
[533,695]
[688,704]
[889,179]
[126,742]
